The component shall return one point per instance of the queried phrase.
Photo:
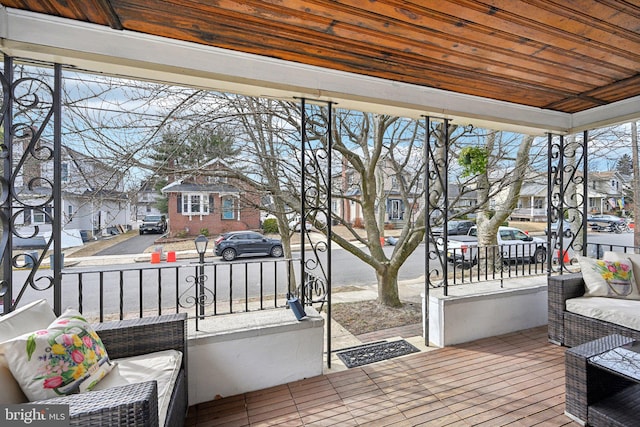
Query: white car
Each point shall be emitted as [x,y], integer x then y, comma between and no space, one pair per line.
[514,244]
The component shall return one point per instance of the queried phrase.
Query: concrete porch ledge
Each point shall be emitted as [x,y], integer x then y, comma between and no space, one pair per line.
[242,352]
[479,310]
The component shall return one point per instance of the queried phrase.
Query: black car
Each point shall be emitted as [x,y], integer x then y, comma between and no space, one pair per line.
[235,243]
[454,228]
[153,224]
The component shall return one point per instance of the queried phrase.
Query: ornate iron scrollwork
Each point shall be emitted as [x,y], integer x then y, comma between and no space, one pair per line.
[436,194]
[196,294]
[567,195]
[316,202]
[27,110]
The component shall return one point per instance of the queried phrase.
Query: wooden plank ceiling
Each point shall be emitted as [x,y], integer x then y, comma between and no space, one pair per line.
[563,55]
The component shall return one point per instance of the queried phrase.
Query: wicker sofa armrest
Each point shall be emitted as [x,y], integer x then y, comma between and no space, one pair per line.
[566,286]
[134,337]
[129,405]
[560,289]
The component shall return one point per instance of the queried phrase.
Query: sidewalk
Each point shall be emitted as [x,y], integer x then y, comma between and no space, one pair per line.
[341,338]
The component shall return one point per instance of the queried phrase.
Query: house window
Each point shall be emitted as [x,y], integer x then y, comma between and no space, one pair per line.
[227,208]
[39,216]
[64,172]
[70,210]
[195,204]
[396,209]
[217,179]
[394,182]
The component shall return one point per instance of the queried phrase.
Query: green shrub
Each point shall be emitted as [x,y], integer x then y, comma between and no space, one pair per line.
[270,226]
[204,232]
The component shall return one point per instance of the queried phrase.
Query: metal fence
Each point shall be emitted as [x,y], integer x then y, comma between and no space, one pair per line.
[597,250]
[496,262]
[507,261]
[211,289]
[201,290]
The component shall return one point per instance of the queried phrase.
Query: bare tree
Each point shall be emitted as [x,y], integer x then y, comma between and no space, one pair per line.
[269,133]
[377,147]
[489,218]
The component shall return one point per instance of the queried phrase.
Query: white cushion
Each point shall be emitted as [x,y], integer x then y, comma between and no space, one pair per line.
[162,366]
[10,391]
[621,312]
[611,276]
[635,263]
[67,357]
[31,317]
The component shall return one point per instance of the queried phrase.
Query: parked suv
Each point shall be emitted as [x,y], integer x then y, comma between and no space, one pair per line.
[454,228]
[154,224]
[235,243]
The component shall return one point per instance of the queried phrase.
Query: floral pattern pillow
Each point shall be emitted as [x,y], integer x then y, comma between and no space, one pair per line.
[67,357]
[611,277]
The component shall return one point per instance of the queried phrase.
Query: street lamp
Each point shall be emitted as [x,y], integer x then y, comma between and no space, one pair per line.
[201,243]
[201,246]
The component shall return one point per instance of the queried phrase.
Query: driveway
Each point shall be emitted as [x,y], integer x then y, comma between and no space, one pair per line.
[135,245]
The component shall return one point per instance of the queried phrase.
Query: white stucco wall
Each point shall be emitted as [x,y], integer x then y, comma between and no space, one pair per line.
[238,353]
[460,318]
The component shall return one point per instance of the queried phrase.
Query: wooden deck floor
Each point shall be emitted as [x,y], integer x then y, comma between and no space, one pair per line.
[515,380]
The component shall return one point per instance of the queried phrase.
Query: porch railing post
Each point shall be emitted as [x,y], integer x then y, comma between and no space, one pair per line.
[57,190]
[315,193]
[567,194]
[6,108]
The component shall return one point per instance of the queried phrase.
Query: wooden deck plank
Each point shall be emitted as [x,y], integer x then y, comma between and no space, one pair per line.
[515,379]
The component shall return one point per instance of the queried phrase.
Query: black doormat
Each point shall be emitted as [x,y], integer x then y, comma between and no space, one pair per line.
[370,353]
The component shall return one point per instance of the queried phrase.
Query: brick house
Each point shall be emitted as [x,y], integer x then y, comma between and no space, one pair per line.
[211,204]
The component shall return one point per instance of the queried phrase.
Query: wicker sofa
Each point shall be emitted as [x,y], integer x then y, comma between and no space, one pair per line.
[572,329]
[136,403]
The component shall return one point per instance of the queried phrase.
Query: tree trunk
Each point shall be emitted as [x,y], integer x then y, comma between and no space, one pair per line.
[388,287]
[380,199]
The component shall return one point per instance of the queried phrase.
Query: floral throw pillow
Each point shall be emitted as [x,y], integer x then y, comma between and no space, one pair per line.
[609,277]
[67,357]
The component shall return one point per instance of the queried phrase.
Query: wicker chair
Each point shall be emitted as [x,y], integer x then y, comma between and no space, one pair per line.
[570,329]
[134,404]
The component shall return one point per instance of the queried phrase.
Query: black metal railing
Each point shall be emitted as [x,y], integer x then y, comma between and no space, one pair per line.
[251,285]
[478,264]
[125,292]
[597,250]
[497,262]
